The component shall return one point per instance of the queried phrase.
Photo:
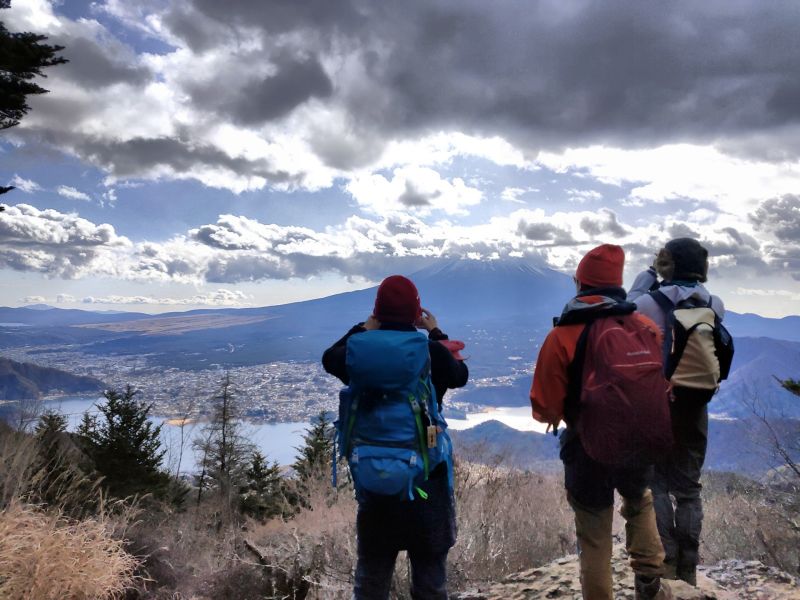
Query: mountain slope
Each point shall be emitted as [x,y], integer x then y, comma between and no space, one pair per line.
[20,381]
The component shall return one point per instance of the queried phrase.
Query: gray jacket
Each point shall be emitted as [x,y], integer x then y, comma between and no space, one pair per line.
[639,294]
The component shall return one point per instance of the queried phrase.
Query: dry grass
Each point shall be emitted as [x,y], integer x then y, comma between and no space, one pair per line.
[508,520]
[46,556]
[750,521]
[53,473]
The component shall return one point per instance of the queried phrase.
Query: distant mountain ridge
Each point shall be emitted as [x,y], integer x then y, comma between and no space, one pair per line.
[501,309]
[740,446]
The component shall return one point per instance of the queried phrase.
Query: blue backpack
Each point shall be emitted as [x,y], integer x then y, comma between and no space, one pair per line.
[389,427]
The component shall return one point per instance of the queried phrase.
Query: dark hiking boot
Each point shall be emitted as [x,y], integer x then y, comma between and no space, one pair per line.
[687,573]
[650,588]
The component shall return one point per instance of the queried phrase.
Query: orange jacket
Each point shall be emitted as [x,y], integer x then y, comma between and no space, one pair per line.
[549,388]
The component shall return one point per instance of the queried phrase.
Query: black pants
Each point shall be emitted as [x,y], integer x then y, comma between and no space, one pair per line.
[679,525]
[425,528]
[593,484]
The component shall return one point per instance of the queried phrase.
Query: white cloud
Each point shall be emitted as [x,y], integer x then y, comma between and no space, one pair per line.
[583,196]
[677,171]
[72,193]
[441,148]
[418,190]
[785,294]
[26,185]
[512,194]
[109,197]
[65,299]
[220,297]
[238,249]
[58,244]
[33,300]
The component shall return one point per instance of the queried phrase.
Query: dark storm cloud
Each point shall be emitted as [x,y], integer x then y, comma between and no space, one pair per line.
[544,75]
[545,232]
[411,197]
[275,96]
[682,230]
[92,65]
[198,31]
[631,73]
[282,15]
[568,72]
[134,157]
[780,216]
[606,222]
[254,101]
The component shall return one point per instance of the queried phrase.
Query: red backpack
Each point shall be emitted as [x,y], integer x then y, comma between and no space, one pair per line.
[619,398]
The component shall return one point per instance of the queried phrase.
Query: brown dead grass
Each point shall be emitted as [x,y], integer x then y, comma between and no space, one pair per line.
[177,325]
[46,556]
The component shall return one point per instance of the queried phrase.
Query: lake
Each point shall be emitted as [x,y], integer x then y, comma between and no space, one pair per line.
[277,441]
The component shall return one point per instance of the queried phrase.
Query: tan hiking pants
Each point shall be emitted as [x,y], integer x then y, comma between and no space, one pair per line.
[593,529]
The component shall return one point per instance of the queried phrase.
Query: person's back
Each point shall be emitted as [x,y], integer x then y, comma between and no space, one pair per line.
[683,267]
[420,517]
[590,483]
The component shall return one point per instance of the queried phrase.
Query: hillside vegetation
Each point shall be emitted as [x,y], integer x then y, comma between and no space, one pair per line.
[244,529]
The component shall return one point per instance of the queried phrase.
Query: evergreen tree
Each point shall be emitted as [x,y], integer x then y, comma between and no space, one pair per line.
[262,496]
[314,458]
[50,424]
[125,445]
[224,451]
[22,58]
[62,476]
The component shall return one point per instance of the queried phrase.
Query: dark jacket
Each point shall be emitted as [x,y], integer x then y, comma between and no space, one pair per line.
[446,371]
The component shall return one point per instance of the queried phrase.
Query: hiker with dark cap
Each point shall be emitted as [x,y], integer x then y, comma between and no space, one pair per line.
[392,433]
[683,267]
[599,371]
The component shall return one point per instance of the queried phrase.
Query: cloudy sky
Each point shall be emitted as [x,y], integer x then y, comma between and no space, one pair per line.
[252,152]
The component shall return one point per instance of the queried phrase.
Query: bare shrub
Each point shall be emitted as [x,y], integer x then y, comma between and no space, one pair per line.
[46,556]
[51,472]
[313,555]
[508,520]
[749,520]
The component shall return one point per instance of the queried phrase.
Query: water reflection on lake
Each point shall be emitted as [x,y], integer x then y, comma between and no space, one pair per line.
[517,417]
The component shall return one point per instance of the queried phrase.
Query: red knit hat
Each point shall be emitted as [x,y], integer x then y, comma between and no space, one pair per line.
[397,301]
[602,267]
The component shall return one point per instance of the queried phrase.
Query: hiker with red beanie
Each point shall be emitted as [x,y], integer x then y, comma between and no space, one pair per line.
[683,267]
[599,371]
[421,518]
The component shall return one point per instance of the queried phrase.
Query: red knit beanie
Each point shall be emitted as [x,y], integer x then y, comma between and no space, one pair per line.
[397,301]
[602,267]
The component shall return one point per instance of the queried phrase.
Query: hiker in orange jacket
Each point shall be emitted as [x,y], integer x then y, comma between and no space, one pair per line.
[590,485]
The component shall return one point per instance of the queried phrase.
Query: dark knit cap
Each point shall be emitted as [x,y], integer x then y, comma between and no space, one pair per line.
[690,259]
[602,267]
[397,301]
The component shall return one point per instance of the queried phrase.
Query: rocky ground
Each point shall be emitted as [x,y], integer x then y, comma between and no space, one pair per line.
[727,580]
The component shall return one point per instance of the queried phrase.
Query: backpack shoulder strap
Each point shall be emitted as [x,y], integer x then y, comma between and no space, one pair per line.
[667,307]
[664,303]
[575,377]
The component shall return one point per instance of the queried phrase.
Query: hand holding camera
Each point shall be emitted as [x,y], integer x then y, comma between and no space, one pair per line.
[426,321]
